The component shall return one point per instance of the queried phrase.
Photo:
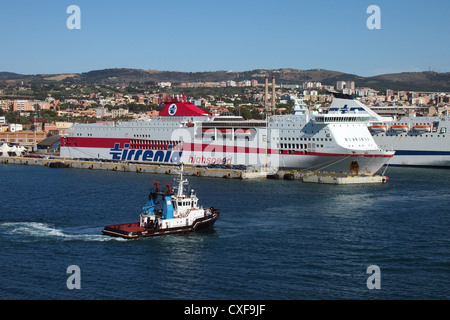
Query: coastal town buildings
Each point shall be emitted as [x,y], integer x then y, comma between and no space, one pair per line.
[23,138]
[133,102]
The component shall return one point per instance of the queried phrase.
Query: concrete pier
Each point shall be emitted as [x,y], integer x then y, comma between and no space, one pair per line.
[334,179]
[301,175]
[135,167]
[308,176]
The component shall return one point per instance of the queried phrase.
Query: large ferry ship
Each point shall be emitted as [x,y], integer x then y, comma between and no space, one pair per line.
[184,133]
[417,141]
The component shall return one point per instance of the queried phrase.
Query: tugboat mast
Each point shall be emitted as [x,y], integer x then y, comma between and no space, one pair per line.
[181,183]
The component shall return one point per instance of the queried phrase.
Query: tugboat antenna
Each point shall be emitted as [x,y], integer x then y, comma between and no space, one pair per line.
[181,172]
[181,182]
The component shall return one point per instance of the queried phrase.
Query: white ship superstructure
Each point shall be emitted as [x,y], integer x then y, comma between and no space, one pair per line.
[417,141]
[184,133]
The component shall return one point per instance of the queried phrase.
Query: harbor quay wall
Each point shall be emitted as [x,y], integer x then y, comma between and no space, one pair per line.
[193,170]
[135,167]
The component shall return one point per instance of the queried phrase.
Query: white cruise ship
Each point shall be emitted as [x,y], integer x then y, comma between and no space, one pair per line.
[187,134]
[417,141]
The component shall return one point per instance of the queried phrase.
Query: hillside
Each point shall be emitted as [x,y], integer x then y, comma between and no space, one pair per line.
[10,75]
[287,76]
[413,81]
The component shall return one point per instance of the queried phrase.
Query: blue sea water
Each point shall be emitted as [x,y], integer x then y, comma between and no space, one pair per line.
[275,239]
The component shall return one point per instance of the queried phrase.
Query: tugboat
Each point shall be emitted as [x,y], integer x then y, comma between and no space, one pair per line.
[167,212]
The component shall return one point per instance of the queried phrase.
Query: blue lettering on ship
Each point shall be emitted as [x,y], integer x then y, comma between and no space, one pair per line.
[127,154]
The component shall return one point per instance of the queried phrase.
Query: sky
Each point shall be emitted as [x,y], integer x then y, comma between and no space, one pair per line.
[212,35]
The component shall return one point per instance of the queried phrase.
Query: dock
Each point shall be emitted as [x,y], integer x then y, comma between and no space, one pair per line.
[328,177]
[306,176]
[191,170]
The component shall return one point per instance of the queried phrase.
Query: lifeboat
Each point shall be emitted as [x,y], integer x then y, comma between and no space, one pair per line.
[422,128]
[378,128]
[399,128]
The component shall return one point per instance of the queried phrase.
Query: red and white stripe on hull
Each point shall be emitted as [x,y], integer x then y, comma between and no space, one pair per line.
[204,154]
[110,143]
[185,133]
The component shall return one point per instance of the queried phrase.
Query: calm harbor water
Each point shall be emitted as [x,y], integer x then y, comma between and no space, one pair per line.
[274,239]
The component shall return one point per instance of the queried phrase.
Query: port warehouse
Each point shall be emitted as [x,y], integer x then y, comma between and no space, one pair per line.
[217,171]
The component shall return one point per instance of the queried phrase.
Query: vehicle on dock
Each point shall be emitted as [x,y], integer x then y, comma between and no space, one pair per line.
[167,211]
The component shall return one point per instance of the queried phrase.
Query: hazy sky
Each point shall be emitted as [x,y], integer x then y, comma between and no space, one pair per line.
[210,35]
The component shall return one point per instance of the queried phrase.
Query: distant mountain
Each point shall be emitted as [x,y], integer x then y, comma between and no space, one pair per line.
[281,76]
[412,81]
[10,75]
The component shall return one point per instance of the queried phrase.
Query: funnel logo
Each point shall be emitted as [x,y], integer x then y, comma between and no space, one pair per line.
[172,109]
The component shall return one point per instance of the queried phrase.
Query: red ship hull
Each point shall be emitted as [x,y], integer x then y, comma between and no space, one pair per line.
[134,230]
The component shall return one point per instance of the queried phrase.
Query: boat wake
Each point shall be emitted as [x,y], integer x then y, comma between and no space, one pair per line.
[32,231]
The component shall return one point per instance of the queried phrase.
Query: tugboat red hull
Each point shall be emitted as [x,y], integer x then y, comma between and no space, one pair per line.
[134,230]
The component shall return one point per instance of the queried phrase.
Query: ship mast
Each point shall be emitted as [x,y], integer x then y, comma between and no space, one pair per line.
[181,183]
